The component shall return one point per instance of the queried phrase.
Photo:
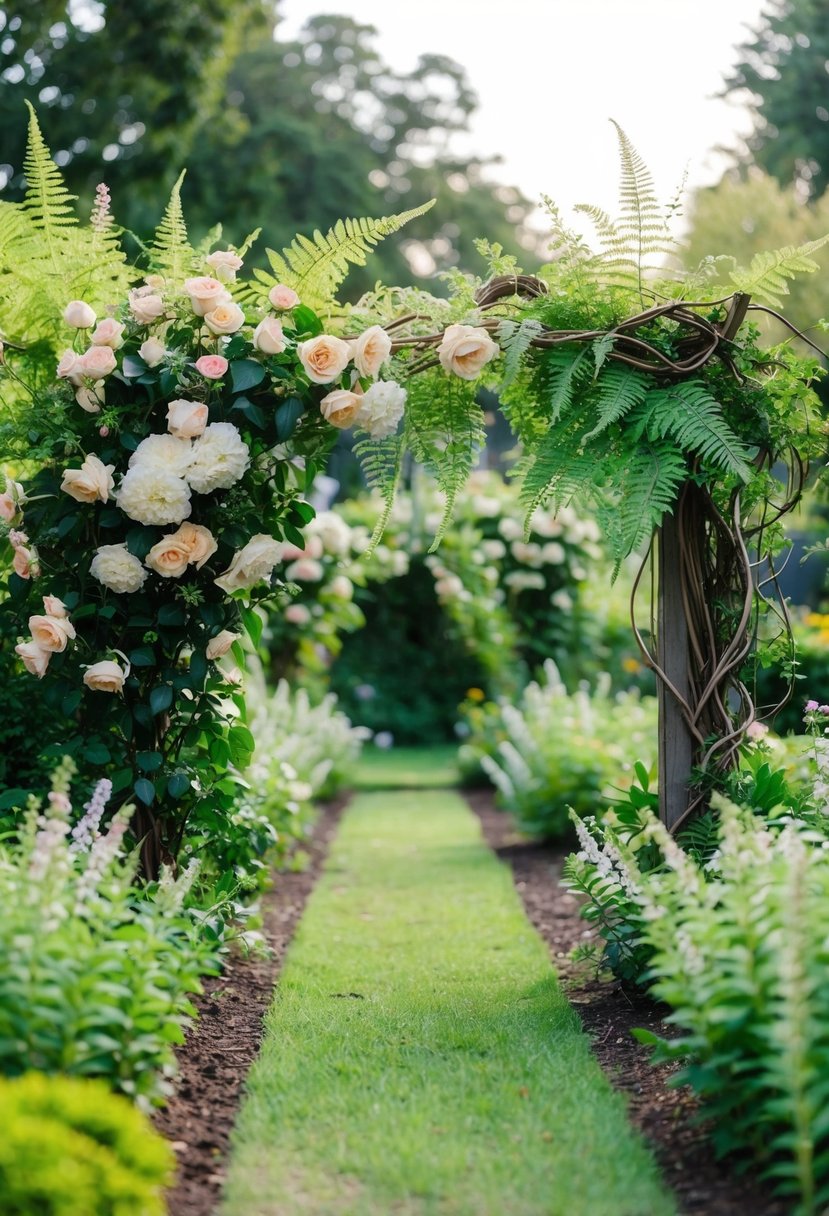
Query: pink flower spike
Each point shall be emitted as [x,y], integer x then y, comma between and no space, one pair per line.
[212,367]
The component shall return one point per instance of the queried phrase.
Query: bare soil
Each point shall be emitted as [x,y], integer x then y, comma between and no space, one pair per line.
[667,1117]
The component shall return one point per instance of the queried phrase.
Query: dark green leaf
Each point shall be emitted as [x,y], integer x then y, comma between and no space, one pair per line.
[306,321]
[251,411]
[161,698]
[133,366]
[178,785]
[286,417]
[145,790]
[149,762]
[246,374]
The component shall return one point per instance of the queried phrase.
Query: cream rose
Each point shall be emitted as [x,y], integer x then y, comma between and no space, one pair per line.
[105,676]
[152,351]
[169,557]
[371,350]
[92,482]
[341,407]
[145,305]
[224,318]
[381,408]
[97,362]
[51,632]
[199,542]
[166,453]
[465,350]
[70,367]
[205,294]
[91,399]
[221,644]
[52,606]
[151,495]
[283,297]
[108,333]
[268,337]
[35,658]
[251,564]
[186,419]
[220,458]
[324,358]
[118,569]
[224,263]
[79,315]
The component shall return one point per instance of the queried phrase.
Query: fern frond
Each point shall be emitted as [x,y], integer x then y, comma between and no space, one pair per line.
[619,390]
[48,203]
[380,461]
[606,229]
[557,468]
[641,229]
[316,267]
[692,418]
[558,378]
[765,276]
[514,339]
[648,486]
[171,253]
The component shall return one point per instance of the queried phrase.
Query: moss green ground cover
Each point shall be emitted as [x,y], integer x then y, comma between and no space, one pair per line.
[419,1057]
[407,767]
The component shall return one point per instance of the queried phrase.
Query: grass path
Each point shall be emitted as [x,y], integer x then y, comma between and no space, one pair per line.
[419,1058]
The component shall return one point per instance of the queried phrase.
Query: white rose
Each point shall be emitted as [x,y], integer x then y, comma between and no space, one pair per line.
[251,564]
[152,495]
[79,315]
[553,553]
[145,306]
[109,333]
[152,351]
[186,419]
[268,337]
[224,263]
[220,458]
[224,318]
[205,294]
[324,358]
[163,452]
[51,632]
[493,550]
[92,482]
[118,569]
[105,676]
[221,644]
[35,658]
[465,350]
[382,409]
[371,350]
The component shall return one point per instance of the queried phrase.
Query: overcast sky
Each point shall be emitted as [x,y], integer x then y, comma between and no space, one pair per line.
[549,73]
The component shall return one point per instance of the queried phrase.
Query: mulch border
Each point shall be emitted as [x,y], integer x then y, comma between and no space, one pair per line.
[224,1041]
[667,1117]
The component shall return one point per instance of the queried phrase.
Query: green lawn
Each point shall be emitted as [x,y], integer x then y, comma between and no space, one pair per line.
[407,767]
[419,1058]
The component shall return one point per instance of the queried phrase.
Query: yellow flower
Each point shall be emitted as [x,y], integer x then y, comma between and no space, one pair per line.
[631,666]
[475,694]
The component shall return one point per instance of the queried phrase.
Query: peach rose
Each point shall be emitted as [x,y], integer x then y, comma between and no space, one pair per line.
[465,350]
[283,297]
[371,350]
[251,564]
[152,351]
[52,606]
[91,482]
[224,263]
[105,676]
[97,362]
[145,305]
[268,337]
[186,419]
[79,315]
[221,644]
[35,658]
[169,557]
[70,368]
[324,358]
[12,501]
[212,367]
[225,318]
[91,399]
[51,632]
[198,541]
[205,294]
[109,333]
[24,562]
[341,407]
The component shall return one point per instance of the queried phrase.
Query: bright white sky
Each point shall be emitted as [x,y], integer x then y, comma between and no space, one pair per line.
[549,73]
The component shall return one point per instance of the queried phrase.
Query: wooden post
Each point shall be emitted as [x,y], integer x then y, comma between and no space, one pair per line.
[676,744]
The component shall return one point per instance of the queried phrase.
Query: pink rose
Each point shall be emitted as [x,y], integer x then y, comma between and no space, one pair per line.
[145,305]
[212,367]
[35,658]
[69,368]
[109,333]
[268,337]
[283,297]
[97,362]
[52,606]
[224,263]
[24,563]
[205,294]
[79,315]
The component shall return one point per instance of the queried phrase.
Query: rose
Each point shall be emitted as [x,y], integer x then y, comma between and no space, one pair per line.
[91,399]
[465,350]
[109,333]
[341,588]
[324,358]
[283,297]
[12,501]
[118,569]
[205,293]
[306,570]
[92,482]
[221,644]
[341,407]
[212,367]
[35,658]
[225,318]
[168,557]
[152,351]
[163,452]
[224,263]
[371,350]
[199,542]
[145,305]
[220,457]
[251,564]
[151,495]
[70,368]
[51,632]
[186,419]
[105,676]
[297,614]
[79,315]
[97,362]
[24,562]
[52,606]
[381,408]
[268,337]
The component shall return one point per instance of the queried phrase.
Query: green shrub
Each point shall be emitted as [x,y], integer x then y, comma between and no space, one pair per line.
[72,1148]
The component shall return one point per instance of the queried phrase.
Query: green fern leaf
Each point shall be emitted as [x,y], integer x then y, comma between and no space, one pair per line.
[557,468]
[766,275]
[48,203]
[171,253]
[316,268]
[689,414]
[648,488]
[558,378]
[514,340]
[380,461]
[619,390]
[641,229]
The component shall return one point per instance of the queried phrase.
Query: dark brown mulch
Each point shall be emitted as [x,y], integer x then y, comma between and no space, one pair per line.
[703,1185]
[223,1043]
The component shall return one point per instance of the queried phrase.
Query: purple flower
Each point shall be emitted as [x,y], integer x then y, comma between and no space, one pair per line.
[811,706]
